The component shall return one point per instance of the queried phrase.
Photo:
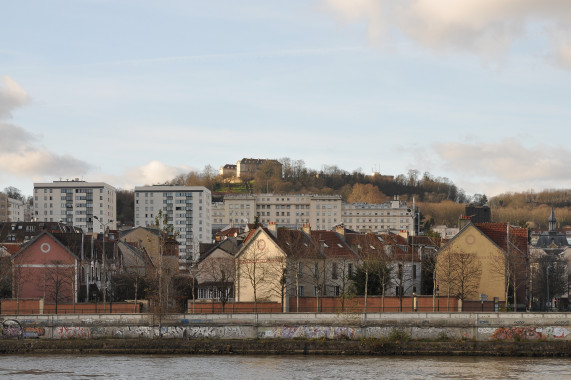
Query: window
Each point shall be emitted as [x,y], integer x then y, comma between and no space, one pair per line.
[299,269]
[334,271]
[349,270]
[414,271]
[300,291]
[315,269]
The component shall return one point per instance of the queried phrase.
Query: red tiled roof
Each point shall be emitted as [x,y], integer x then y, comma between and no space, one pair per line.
[11,248]
[366,244]
[498,233]
[297,244]
[334,247]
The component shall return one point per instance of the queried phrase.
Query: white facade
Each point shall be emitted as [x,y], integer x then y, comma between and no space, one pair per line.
[322,212]
[388,216]
[16,210]
[286,210]
[188,208]
[77,203]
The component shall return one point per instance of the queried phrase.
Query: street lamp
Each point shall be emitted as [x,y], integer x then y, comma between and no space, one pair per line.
[104,272]
[438,296]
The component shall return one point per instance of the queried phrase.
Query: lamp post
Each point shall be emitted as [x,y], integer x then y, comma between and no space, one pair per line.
[438,296]
[104,272]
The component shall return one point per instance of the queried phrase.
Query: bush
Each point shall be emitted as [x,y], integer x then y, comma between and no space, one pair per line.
[399,335]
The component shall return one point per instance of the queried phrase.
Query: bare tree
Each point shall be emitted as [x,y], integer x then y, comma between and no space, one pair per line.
[468,271]
[255,266]
[314,274]
[221,273]
[446,274]
[162,276]
[279,285]
[60,279]
[548,279]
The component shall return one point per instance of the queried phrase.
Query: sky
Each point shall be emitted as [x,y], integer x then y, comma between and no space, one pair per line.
[135,92]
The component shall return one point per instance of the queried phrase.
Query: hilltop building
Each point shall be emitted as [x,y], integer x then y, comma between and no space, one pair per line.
[246,168]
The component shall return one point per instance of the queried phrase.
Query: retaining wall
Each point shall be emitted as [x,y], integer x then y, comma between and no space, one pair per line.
[416,326]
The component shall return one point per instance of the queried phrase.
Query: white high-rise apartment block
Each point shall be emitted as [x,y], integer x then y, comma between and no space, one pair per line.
[187,208]
[322,212]
[77,203]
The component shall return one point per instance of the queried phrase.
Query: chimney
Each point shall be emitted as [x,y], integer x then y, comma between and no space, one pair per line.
[306,228]
[273,228]
[404,234]
[340,229]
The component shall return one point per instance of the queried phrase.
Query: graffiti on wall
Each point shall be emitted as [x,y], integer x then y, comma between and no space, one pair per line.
[71,332]
[312,332]
[214,332]
[33,332]
[525,333]
[11,329]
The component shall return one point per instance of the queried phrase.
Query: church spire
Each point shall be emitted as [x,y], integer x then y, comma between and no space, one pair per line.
[552,221]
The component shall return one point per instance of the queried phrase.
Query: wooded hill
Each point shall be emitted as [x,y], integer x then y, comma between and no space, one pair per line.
[439,199]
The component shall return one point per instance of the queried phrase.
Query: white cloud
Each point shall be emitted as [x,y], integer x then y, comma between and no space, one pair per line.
[12,96]
[506,165]
[19,154]
[152,173]
[487,27]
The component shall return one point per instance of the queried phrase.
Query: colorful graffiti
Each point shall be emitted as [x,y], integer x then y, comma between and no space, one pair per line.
[311,332]
[33,332]
[11,329]
[518,333]
[71,332]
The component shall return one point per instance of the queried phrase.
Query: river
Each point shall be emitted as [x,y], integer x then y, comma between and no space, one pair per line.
[279,367]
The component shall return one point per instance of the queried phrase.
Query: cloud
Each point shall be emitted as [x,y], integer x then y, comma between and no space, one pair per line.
[508,162]
[12,96]
[19,153]
[486,27]
[152,173]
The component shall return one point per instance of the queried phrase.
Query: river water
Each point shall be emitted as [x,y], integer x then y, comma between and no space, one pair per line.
[279,367]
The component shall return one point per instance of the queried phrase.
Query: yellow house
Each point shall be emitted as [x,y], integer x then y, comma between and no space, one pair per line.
[484,259]
[260,268]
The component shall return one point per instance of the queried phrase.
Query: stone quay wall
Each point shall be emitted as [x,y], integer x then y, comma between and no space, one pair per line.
[343,326]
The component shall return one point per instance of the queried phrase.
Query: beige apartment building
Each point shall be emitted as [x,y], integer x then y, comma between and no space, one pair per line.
[91,206]
[322,212]
[11,210]
[387,216]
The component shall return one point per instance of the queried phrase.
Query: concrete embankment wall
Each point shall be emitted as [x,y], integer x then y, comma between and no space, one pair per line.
[389,326]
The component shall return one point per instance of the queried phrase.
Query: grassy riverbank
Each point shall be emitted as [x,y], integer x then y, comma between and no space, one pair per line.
[284,347]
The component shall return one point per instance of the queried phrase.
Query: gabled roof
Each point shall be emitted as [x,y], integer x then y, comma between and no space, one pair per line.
[11,248]
[366,244]
[24,231]
[51,236]
[229,246]
[298,245]
[252,235]
[332,246]
[498,233]
[400,249]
